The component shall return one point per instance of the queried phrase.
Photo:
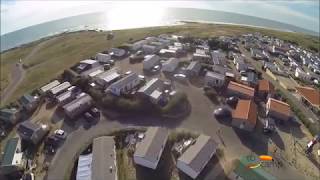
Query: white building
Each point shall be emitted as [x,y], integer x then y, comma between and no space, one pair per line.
[49,86]
[170,65]
[196,157]
[150,61]
[107,77]
[125,84]
[213,79]
[103,58]
[60,88]
[148,151]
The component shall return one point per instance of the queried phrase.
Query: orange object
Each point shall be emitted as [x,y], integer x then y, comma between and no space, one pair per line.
[265,158]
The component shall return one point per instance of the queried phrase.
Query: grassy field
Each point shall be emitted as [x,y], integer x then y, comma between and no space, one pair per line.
[62,51]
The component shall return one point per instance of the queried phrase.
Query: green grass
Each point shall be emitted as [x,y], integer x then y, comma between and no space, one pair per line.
[63,51]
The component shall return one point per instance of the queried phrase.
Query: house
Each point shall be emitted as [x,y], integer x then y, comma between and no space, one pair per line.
[152,89]
[10,116]
[265,89]
[103,58]
[149,49]
[241,66]
[85,65]
[150,61]
[59,89]
[170,66]
[78,106]
[49,86]
[168,53]
[213,79]
[108,77]
[196,157]
[310,96]
[156,96]
[103,159]
[100,164]
[250,78]
[278,110]
[117,53]
[92,72]
[220,69]
[257,54]
[138,45]
[148,151]
[245,115]
[193,69]
[240,90]
[218,58]
[65,98]
[31,132]
[201,55]
[125,84]
[12,157]
[29,102]
[299,73]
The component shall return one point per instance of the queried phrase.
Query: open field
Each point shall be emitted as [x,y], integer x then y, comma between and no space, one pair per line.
[62,51]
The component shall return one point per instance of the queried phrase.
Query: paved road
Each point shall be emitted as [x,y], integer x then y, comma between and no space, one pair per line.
[200,120]
[16,77]
[18,73]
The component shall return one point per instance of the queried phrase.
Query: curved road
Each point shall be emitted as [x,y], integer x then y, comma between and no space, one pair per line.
[18,73]
[200,120]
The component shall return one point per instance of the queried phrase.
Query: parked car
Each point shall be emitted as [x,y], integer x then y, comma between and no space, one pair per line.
[315,140]
[232,101]
[88,117]
[222,113]
[128,72]
[180,76]
[94,112]
[60,134]
[269,125]
[137,57]
[156,68]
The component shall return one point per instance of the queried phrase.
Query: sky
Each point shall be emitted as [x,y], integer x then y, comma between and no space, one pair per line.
[18,14]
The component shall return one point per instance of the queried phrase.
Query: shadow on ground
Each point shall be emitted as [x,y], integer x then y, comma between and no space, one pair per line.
[254,141]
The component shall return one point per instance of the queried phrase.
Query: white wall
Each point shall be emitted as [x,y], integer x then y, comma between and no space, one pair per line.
[143,162]
[186,169]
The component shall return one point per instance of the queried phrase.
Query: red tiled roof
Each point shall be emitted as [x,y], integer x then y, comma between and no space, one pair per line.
[279,106]
[310,94]
[243,89]
[265,85]
[246,109]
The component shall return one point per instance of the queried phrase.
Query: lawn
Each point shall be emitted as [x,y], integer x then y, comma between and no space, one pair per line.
[63,51]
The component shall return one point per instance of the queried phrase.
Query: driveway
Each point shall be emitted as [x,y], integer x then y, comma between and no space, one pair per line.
[235,143]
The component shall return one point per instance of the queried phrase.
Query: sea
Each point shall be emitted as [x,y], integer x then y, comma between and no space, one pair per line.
[111,21]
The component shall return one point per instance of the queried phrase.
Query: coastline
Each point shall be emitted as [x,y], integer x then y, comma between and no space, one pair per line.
[175,23]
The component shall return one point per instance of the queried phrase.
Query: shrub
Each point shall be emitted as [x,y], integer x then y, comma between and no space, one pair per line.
[178,98]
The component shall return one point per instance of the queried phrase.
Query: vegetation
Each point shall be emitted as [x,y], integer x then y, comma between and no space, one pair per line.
[314,128]
[62,51]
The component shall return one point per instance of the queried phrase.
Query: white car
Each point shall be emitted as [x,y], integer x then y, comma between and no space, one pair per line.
[61,134]
[156,68]
[180,76]
[128,72]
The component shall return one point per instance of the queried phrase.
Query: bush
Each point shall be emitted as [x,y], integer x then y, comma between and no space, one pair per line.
[178,98]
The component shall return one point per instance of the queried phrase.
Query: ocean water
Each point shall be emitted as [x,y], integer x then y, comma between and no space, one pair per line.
[113,20]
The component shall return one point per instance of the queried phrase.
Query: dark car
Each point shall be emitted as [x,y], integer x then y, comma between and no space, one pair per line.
[269,126]
[137,57]
[222,113]
[89,118]
[94,112]
[232,101]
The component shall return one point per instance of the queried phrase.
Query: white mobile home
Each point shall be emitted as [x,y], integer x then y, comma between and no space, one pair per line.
[125,84]
[196,157]
[150,61]
[49,86]
[148,151]
[170,65]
